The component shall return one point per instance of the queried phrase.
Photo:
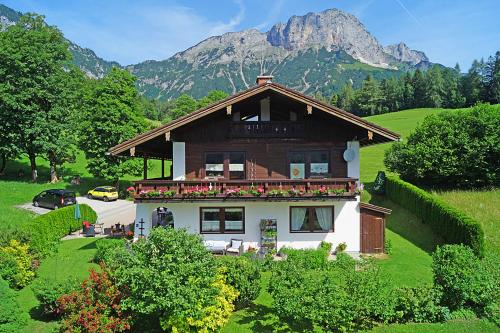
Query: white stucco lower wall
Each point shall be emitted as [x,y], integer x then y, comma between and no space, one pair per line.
[187,215]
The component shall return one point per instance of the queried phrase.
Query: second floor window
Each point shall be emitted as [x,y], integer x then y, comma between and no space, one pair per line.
[229,165]
[313,164]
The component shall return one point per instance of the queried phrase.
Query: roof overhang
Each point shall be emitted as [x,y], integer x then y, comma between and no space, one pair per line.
[373,130]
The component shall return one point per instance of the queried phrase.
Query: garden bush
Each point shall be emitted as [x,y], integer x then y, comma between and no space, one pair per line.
[448,222]
[420,305]
[46,230]
[12,318]
[16,264]
[308,258]
[49,291]
[170,277]
[105,245]
[465,280]
[451,149]
[243,274]
[95,307]
[338,297]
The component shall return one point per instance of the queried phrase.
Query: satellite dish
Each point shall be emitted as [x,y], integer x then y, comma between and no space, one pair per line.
[349,155]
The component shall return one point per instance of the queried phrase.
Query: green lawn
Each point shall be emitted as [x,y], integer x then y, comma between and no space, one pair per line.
[72,260]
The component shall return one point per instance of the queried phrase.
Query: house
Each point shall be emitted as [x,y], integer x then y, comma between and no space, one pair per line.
[266,155]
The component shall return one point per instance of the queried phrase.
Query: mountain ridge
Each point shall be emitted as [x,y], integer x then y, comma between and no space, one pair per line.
[315,52]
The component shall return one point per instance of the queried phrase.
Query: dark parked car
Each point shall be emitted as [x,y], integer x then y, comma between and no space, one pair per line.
[54,199]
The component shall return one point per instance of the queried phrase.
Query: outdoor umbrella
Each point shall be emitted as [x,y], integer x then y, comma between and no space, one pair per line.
[78,215]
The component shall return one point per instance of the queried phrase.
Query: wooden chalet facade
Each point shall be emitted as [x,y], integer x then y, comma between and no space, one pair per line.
[268,152]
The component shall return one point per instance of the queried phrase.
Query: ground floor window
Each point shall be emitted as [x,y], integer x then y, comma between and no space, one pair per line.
[311,219]
[222,220]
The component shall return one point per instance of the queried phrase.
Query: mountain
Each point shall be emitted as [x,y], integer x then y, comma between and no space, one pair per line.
[316,52]
[84,58]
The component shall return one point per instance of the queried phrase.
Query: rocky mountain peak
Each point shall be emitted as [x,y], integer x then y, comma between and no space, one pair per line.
[401,52]
[332,29]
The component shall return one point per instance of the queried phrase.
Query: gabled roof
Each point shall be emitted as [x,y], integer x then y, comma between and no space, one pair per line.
[386,134]
[374,208]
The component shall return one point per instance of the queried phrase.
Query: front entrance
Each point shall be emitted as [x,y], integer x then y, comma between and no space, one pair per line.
[372,230]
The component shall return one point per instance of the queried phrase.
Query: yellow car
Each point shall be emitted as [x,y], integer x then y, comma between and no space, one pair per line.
[105,193]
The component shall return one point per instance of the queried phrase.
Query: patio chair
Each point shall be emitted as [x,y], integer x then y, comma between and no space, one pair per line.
[235,247]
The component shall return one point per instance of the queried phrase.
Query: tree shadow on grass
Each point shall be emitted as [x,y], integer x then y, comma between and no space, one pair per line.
[38,314]
[407,225]
[89,246]
[262,319]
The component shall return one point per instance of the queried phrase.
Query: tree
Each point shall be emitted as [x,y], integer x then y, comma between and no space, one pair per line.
[212,97]
[419,89]
[112,116]
[451,149]
[472,84]
[492,78]
[183,105]
[393,94]
[368,99]
[346,97]
[434,88]
[408,91]
[453,97]
[32,58]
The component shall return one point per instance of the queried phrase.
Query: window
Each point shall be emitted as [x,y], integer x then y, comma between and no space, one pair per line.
[311,219]
[222,220]
[236,166]
[225,165]
[313,164]
[214,165]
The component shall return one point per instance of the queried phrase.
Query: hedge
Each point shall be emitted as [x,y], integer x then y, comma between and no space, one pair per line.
[454,226]
[46,230]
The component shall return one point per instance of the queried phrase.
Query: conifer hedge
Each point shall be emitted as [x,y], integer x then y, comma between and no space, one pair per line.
[454,226]
[45,231]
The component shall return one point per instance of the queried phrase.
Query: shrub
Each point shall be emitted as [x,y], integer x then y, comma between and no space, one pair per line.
[217,315]
[95,306]
[452,149]
[49,291]
[46,230]
[420,305]
[451,224]
[12,318]
[338,297]
[307,258]
[387,246]
[104,245]
[16,264]
[465,280]
[243,274]
[170,276]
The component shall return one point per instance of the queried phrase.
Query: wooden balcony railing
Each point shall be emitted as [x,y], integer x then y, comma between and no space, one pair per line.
[267,129]
[263,189]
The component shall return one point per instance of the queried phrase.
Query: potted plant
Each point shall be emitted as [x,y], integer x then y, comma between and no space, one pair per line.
[131,191]
[256,192]
[270,233]
[276,193]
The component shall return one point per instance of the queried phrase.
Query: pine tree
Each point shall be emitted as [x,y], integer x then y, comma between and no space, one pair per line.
[472,84]
[434,84]
[453,97]
[419,89]
[368,99]
[492,78]
[346,97]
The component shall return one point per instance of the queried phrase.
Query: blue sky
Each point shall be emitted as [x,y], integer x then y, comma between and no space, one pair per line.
[133,31]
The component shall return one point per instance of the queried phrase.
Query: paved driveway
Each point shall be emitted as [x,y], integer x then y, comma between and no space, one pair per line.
[109,213]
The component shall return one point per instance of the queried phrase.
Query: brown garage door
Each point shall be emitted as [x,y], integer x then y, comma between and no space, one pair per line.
[372,228]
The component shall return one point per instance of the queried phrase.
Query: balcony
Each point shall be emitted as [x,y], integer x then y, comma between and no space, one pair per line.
[157,190]
[267,129]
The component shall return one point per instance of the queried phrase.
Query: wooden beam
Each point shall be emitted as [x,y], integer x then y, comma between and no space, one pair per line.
[370,135]
[145,167]
[132,151]
[229,109]
[167,136]
[162,168]
[309,109]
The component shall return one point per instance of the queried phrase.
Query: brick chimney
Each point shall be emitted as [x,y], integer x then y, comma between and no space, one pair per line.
[263,79]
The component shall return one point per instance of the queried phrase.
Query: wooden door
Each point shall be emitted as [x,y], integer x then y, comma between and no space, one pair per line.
[372,232]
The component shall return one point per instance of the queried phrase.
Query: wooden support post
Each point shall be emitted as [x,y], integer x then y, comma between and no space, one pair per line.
[162,168]
[145,167]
